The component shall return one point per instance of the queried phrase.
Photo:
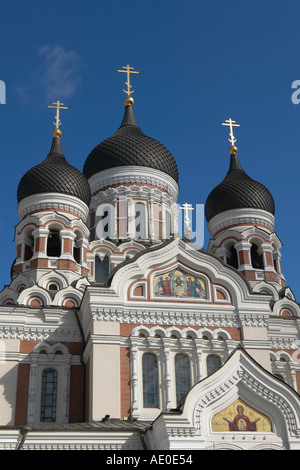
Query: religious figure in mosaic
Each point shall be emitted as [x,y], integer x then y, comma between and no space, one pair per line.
[241,422]
[178,283]
[240,417]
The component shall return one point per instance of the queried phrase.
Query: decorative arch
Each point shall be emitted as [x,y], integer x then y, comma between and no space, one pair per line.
[240,378]
[51,348]
[287,304]
[8,296]
[205,333]
[219,332]
[35,296]
[54,276]
[68,297]
[173,332]
[189,333]
[158,331]
[265,287]
[140,330]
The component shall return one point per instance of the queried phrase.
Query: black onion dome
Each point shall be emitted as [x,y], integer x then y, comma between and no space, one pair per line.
[54,175]
[130,146]
[236,191]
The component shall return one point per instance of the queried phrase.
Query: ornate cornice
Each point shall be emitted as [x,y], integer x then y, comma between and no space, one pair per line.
[133,174]
[241,217]
[43,333]
[52,201]
[215,318]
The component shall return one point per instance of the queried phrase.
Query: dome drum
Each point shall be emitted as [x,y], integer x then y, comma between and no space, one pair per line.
[241,217]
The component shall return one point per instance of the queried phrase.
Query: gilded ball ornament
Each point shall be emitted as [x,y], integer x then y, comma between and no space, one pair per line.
[128,101]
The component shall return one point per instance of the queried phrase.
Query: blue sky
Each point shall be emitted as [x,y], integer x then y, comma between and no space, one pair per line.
[200,62]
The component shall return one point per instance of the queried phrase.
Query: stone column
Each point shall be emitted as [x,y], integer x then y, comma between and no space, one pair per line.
[244,256]
[31,415]
[167,374]
[199,361]
[134,376]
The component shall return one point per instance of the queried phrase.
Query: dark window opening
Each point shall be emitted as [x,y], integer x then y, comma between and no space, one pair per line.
[49,396]
[232,260]
[213,363]
[54,244]
[183,376]
[150,381]
[256,258]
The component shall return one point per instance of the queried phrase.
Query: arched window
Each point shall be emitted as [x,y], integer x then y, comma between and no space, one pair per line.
[101,269]
[213,363]
[28,246]
[140,221]
[256,258]
[54,244]
[150,381]
[232,259]
[49,396]
[183,376]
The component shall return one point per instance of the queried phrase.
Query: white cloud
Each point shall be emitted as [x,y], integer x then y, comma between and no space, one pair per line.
[59,71]
[56,75]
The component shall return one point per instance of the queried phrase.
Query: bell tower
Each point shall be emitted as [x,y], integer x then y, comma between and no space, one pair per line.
[52,235]
[240,215]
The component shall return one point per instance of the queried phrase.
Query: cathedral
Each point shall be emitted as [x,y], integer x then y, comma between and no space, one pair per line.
[118,333]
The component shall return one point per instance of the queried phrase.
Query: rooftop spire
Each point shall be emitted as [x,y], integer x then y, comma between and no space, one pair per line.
[128,70]
[229,122]
[57,123]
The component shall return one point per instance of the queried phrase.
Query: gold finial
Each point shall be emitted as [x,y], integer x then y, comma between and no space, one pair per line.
[187,207]
[128,70]
[232,139]
[58,105]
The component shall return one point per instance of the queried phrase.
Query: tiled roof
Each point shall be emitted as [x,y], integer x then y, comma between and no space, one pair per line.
[130,146]
[238,190]
[54,175]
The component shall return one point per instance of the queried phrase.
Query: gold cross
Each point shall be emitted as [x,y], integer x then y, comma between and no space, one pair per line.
[231,124]
[187,207]
[128,70]
[58,105]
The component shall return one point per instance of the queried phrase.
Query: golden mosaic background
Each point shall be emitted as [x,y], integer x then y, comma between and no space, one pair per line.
[239,422]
